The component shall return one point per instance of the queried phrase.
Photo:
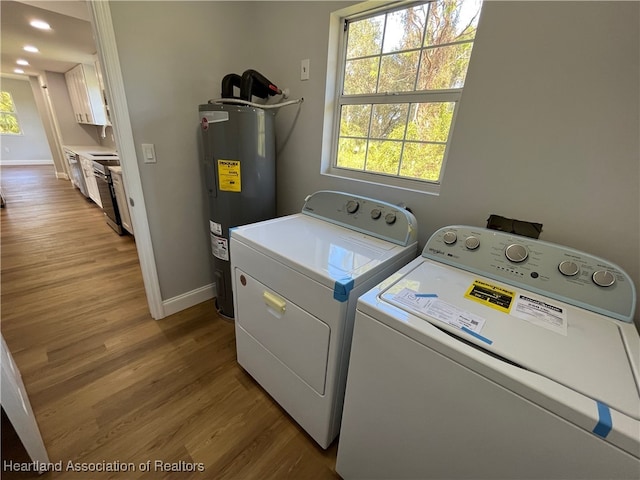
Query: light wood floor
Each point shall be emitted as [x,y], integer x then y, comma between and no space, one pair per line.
[107,382]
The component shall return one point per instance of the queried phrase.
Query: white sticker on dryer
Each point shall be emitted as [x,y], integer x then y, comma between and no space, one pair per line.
[220,247]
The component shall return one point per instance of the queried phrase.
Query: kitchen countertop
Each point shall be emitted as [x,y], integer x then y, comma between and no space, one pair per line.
[93,152]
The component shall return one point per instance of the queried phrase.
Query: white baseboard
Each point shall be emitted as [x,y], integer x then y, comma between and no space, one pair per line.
[9,163]
[189,299]
[62,175]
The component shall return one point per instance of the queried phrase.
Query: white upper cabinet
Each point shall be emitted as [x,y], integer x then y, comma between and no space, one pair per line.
[103,89]
[86,95]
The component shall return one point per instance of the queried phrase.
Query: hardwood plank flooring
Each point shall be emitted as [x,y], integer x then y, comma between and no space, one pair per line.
[108,383]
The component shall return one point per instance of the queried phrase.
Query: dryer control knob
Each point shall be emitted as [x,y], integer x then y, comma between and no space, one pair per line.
[390,218]
[568,268]
[603,278]
[376,213]
[352,206]
[516,253]
[450,237]
[472,243]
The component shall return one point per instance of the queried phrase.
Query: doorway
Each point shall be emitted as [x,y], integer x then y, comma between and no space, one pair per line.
[95,17]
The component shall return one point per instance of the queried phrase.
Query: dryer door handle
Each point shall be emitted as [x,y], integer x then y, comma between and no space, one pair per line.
[276,303]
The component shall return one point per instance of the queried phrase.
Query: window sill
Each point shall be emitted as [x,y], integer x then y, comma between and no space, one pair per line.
[384,181]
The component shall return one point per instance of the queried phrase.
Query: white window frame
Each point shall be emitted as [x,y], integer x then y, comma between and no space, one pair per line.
[335,77]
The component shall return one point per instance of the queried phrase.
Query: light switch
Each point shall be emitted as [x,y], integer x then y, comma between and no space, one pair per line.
[149,153]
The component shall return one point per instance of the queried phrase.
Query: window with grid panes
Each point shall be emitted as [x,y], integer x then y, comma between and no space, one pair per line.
[403,71]
[8,118]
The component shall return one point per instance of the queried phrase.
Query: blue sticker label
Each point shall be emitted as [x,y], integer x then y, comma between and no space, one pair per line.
[605,424]
[342,288]
[476,335]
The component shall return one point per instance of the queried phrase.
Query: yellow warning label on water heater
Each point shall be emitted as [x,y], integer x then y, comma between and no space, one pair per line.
[491,295]
[229,176]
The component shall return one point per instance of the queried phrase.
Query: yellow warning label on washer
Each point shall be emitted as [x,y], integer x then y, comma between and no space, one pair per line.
[229,175]
[491,295]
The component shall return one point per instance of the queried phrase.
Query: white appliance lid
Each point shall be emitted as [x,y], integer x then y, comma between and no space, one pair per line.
[579,349]
[335,256]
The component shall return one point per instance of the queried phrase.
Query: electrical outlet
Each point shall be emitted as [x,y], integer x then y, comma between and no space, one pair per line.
[304,69]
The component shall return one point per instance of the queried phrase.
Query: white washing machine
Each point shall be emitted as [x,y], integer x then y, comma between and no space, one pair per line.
[296,280]
[494,356]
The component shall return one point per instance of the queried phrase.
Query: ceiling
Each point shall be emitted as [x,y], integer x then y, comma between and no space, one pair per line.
[69,42]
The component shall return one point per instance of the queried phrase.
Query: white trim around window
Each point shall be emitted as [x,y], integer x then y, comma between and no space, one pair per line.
[335,101]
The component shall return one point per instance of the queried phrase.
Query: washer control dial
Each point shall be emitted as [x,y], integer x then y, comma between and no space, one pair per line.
[472,242]
[603,278]
[450,237]
[390,218]
[568,268]
[352,206]
[516,253]
[376,213]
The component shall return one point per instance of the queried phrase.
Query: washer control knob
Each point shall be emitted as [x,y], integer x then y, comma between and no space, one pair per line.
[390,218]
[352,206]
[516,253]
[568,268]
[472,243]
[603,278]
[450,237]
[376,213]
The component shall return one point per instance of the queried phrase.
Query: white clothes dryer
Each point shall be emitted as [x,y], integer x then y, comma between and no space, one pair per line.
[494,356]
[296,280]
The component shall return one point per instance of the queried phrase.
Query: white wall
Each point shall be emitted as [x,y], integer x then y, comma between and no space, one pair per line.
[290,32]
[46,117]
[30,147]
[547,129]
[171,62]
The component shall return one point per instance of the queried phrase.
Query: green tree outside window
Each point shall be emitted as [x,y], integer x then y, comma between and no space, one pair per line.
[9,124]
[404,70]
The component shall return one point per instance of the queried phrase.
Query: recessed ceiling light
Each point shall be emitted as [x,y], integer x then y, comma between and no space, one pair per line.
[40,24]
[30,48]
[22,62]
[18,70]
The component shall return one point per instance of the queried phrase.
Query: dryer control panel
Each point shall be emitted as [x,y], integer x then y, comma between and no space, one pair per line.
[366,215]
[556,271]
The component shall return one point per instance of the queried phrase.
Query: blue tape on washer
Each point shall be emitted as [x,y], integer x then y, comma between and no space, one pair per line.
[476,335]
[342,288]
[605,424]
